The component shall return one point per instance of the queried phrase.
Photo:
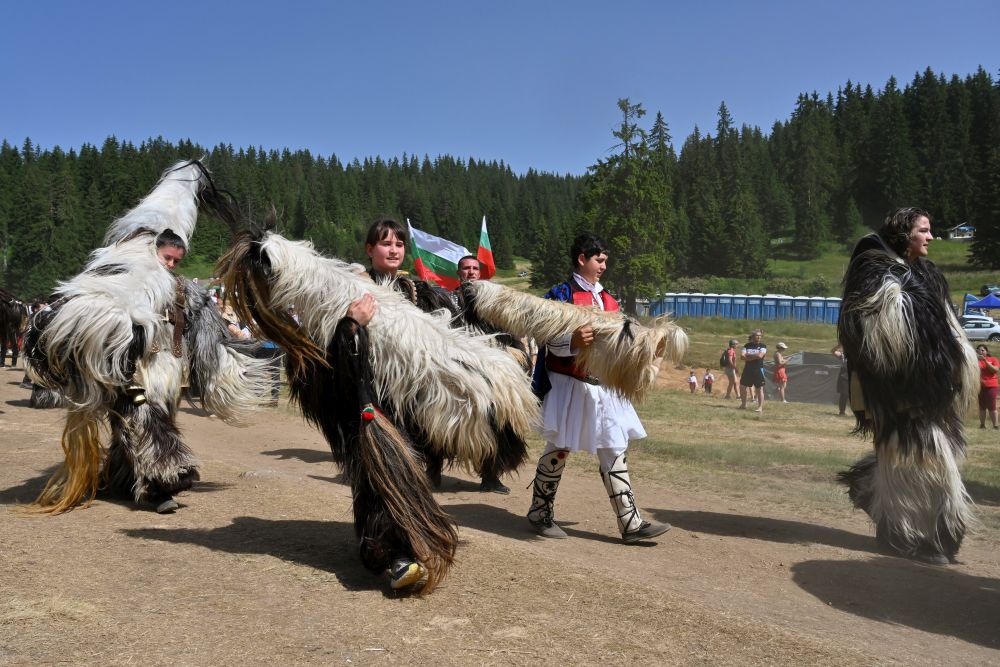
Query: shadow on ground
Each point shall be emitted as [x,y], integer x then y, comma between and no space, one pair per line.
[496,520]
[943,601]
[329,546]
[28,490]
[301,454]
[983,494]
[765,528]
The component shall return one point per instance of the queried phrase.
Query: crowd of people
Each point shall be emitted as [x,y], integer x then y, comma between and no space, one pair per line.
[749,384]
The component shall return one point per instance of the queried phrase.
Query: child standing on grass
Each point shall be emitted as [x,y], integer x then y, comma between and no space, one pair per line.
[693,382]
[708,380]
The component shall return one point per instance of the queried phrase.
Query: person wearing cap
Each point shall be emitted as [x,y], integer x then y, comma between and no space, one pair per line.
[728,363]
[780,374]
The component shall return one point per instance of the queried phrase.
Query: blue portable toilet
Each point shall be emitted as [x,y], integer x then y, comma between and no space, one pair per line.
[682,305]
[669,303]
[739,306]
[695,303]
[817,309]
[770,307]
[754,306]
[832,310]
[710,307]
[800,308]
[725,308]
[784,307]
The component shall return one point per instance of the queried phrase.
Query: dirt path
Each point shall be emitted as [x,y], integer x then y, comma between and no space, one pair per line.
[260,567]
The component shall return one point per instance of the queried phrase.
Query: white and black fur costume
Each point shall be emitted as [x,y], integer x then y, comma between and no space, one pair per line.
[913,376]
[118,341]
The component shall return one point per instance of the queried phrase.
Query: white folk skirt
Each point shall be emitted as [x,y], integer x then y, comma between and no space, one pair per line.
[584,417]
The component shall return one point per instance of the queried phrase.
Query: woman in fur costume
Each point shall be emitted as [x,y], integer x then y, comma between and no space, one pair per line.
[385,245]
[912,378]
[118,341]
[386,395]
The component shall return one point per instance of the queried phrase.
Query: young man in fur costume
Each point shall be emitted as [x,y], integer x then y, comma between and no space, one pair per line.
[118,341]
[578,414]
[912,377]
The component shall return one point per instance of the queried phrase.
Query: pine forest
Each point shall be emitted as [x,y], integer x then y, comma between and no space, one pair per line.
[721,203]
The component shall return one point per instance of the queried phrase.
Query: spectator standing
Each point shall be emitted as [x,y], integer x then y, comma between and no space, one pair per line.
[708,381]
[728,364]
[843,379]
[752,378]
[780,371]
[988,368]
[692,382]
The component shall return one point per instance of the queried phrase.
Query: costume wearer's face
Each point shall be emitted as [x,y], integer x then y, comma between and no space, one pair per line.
[468,269]
[920,238]
[387,255]
[592,268]
[170,256]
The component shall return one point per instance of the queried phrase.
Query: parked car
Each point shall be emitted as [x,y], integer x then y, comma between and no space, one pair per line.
[981,330]
[975,317]
[988,289]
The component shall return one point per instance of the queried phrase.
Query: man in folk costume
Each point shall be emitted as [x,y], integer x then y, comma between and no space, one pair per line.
[118,341]
[578,414]
[912,378]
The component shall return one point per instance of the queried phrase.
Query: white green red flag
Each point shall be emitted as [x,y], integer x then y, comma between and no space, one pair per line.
[487,267]
[436,259]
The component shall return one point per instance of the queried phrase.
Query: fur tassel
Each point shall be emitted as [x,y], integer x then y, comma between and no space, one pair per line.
[395,472]
[625,356]
[77,478]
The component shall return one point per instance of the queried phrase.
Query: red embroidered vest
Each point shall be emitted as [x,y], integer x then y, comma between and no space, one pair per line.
[567,365]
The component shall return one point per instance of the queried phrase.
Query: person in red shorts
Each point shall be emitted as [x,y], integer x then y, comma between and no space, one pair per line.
[988,368]
[780,373]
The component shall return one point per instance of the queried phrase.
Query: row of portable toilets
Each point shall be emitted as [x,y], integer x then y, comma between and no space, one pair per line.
[748,307]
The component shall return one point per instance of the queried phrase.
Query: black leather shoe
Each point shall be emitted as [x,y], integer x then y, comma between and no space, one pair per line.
[646,531]
[494,486]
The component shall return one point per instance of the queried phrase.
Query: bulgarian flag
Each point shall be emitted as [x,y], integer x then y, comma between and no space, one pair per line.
[488,267]
[436,259]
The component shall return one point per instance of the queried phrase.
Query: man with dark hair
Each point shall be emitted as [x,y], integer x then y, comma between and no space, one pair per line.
[912,376]
[469,268]
[578,414]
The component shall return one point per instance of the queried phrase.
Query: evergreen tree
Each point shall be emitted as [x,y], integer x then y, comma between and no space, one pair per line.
[627,202]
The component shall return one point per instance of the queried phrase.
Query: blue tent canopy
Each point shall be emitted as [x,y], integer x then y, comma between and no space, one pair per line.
[988,301]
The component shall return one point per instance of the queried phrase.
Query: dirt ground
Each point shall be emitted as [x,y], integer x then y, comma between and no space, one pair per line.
[259,566]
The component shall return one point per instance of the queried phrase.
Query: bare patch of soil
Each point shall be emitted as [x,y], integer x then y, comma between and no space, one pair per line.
[260,567]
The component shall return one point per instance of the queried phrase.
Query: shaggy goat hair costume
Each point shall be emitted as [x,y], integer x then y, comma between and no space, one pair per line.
[414,386]
[117,342]
[913,375]
[625,355]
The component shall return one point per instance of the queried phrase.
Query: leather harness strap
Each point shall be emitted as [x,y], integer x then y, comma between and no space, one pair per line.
[177,318]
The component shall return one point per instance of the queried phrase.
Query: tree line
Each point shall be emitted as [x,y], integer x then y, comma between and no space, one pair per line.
[722,205]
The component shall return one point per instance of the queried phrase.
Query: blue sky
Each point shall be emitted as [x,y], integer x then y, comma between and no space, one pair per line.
[532,83]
